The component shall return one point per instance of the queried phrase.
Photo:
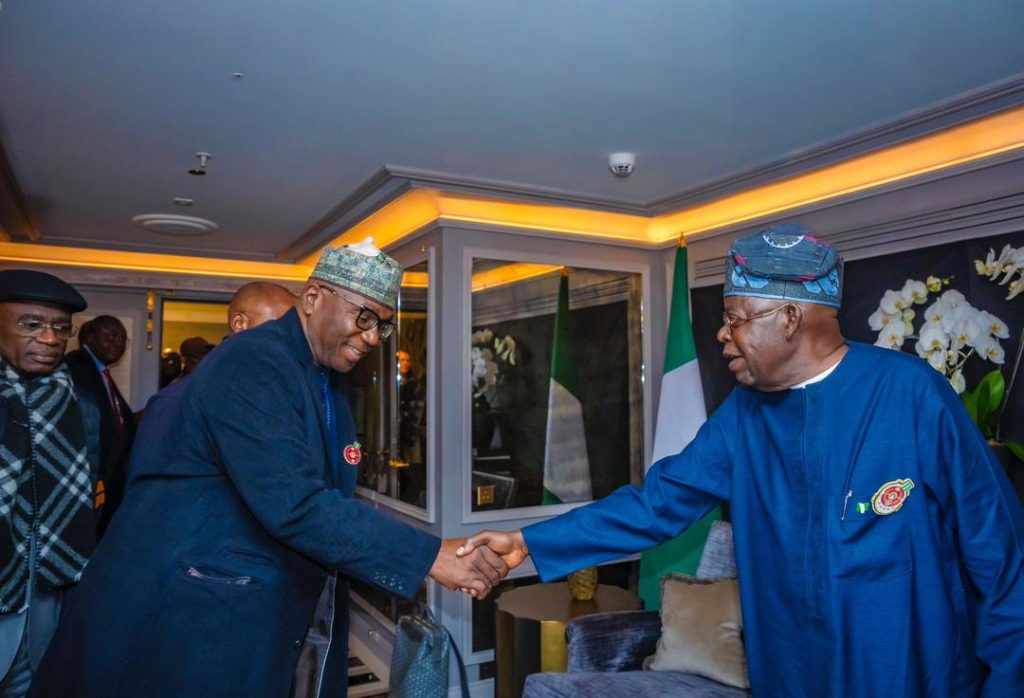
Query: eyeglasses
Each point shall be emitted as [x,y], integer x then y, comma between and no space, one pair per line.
[366,319]
[36,328]
[733,322]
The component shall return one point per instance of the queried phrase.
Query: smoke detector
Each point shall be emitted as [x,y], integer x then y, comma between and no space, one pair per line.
[172,224]
[622,164]
[203,159]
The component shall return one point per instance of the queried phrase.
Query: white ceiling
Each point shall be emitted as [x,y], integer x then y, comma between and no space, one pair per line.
[103,103]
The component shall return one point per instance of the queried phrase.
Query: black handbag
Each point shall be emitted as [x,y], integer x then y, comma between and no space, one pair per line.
[419,661]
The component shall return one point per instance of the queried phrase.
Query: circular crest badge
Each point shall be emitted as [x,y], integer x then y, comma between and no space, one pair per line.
[353,453]
[890,497]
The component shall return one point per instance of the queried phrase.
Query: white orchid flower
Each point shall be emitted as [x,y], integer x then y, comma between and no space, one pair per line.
[935,312]
[937,360]
[893,302]
[933,338]
[908,315]
[967,332]
[952,298]
[1016,288]
[933,283]
[892,336]
[914,292]
[993,325]
[879,319]
[989,349]
[957,381]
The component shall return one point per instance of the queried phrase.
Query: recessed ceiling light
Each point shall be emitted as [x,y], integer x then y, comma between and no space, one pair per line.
[237,76]
[180,201]
[172,224]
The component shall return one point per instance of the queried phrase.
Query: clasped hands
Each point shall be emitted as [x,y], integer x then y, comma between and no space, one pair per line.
[476,565]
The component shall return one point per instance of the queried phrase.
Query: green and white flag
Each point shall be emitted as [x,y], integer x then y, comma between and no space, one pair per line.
[566,468]
[680,414]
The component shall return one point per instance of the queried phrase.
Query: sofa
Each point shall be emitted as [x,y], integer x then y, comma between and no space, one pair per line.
[607,650]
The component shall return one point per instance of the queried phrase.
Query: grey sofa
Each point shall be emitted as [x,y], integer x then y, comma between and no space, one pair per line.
[607,650]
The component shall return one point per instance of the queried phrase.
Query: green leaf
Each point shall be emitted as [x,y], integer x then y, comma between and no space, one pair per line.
[1016,448]
[990,392]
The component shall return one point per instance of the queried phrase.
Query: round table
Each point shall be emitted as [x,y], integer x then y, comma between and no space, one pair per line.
[530,629]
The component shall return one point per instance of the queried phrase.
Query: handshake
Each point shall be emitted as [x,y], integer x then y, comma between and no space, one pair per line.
[476,565]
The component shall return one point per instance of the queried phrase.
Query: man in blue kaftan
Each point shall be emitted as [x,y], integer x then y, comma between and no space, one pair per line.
[879,544]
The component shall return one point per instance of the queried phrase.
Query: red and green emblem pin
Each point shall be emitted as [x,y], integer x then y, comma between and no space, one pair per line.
[890,497]
[353,453]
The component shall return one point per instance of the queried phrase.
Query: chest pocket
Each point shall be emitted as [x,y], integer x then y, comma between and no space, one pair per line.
[871,546]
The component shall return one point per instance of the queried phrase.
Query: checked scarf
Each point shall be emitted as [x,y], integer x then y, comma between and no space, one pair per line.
[45,485]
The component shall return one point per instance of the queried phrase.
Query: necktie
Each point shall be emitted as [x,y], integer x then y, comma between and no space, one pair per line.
[115,408]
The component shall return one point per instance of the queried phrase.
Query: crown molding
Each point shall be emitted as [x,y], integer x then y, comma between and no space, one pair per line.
[972,201]
[983,101]
[392,181]
[16,222]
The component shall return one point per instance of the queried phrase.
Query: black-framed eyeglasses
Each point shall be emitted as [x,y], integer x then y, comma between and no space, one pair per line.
[366,319]
[36,328]
[733,322]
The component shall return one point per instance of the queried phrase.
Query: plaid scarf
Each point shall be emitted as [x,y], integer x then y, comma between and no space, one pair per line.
[45,485]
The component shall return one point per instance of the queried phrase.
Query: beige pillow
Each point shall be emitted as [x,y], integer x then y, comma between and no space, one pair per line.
[701,631]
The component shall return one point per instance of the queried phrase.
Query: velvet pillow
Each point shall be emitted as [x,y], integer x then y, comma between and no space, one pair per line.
[701,631]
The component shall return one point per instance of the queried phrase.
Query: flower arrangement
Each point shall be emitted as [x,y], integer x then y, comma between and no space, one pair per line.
[490,358]
[1009,264]
[952,330]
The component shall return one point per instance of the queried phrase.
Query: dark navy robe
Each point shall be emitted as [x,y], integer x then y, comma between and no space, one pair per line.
[923,597]
[208,576]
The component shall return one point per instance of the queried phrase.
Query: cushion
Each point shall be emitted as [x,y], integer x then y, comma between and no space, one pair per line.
[701,629]
[718,558]
[637,684]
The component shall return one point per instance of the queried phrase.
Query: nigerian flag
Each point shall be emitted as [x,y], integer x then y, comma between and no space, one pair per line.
[566,468]
[680,414]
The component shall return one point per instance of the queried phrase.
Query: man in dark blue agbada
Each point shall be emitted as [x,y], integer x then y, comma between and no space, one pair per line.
[879,544]
[225,572]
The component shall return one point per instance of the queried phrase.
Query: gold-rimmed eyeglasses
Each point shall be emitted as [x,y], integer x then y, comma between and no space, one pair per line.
[37,328]
[366,319]
[733,322]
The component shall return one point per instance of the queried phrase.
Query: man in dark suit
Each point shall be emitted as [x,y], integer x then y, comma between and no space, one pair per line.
[103,341]
[226,571]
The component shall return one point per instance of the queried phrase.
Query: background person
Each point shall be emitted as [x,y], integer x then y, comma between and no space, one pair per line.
[103,341]
[49,454]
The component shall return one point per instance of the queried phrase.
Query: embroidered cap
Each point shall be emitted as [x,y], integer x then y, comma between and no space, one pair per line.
[29,285]
[785,262]
[361,268]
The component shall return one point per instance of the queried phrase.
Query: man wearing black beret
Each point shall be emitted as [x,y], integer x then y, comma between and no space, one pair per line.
[49,450]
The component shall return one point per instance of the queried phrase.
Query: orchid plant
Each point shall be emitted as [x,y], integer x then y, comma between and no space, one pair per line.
[952,330]
[490,356]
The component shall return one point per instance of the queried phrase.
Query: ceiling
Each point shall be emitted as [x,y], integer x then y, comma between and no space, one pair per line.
[105,103]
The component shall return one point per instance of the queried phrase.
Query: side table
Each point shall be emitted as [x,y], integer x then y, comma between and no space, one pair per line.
[530,629]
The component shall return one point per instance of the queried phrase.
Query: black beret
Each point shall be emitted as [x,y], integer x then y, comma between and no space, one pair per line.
[28,285]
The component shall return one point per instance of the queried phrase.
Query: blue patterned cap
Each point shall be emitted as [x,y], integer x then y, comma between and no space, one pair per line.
[361,268]
[785,262]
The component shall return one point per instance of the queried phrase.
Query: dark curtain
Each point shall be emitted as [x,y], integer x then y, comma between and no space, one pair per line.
[865,282]
[599,336]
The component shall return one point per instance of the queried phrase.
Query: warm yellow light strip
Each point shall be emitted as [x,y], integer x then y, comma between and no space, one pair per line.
[975,140]
[403,216]
[510,273]
[968,142]
[142,261]
[415,279]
